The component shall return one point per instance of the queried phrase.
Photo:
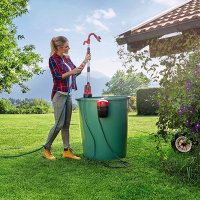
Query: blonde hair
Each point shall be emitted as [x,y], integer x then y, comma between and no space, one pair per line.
[56,42]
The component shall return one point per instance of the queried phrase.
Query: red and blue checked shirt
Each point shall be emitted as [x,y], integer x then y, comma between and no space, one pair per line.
[59,66]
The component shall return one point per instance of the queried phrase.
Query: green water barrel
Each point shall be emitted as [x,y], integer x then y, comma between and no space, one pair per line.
[104,138]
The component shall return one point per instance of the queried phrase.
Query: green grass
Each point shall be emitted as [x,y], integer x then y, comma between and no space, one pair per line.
[33,178]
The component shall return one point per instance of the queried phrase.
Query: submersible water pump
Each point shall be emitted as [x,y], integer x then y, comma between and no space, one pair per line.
[87,87]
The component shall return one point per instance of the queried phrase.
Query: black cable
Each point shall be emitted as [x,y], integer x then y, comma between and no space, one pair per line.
[35,150]
[85,118]
[22,154]
[124,164]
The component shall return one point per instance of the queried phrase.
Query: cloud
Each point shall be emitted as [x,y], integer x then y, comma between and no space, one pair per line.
[169,2]
[61,29]
[98,16]
[97,19]
[97,23]
[79,28]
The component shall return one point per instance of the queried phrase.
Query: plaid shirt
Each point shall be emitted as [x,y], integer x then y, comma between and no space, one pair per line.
[59,66]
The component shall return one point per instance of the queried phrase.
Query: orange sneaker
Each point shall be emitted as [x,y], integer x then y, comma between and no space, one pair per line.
[48,155]
[68,154]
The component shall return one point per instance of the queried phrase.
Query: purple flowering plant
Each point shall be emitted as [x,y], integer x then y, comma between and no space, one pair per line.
[178,75]
[177,70]
[181,86]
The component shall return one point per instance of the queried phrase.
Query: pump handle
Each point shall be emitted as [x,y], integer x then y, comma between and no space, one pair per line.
[98,38]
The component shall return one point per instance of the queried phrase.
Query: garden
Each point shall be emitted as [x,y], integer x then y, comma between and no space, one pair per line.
[163,159]
[32,177]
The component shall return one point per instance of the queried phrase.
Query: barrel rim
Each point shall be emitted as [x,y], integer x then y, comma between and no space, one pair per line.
[104,97]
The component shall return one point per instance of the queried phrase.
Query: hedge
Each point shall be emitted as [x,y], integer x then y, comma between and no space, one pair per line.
[146,105]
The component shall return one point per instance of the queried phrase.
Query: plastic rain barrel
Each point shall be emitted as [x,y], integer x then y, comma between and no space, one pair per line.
[104,138]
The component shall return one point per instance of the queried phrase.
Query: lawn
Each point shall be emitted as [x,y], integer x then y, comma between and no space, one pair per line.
[32,178]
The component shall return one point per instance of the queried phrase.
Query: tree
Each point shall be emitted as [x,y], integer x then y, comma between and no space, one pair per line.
[5,106]
[17,64]
[126,83]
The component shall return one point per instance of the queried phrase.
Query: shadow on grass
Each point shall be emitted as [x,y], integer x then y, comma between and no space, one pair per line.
[178,167]
[185,167]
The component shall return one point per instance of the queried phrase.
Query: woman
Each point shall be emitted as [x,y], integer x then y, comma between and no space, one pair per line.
[63,72]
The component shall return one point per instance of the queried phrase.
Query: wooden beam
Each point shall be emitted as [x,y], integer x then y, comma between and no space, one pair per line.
[136,46]
[131,37]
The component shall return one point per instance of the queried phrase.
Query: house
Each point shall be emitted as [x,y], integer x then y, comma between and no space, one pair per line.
[183,19]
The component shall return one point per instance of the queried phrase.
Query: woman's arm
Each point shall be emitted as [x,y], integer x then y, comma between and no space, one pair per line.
[85,61]
[72,72]
[77,70]
[54,69]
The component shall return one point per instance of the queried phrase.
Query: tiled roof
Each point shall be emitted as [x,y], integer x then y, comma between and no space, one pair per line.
[187,12]
[184,18]
[184,13]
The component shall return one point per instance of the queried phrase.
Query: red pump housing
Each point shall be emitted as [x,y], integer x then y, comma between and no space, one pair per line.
[102,108]
[87,91]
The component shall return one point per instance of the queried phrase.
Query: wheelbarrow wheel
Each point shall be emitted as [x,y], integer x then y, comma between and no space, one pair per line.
[181,143]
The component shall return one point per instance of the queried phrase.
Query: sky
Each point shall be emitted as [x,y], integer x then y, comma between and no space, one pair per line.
[75,19]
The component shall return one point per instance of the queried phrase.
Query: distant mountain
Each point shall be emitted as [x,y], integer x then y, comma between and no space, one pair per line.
[41,85]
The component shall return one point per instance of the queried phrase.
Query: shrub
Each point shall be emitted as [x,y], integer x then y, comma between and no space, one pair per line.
[5,106]
[146,104]
[27,106]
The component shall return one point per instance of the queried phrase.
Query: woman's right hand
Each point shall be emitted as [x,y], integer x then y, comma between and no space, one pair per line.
[87,57]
